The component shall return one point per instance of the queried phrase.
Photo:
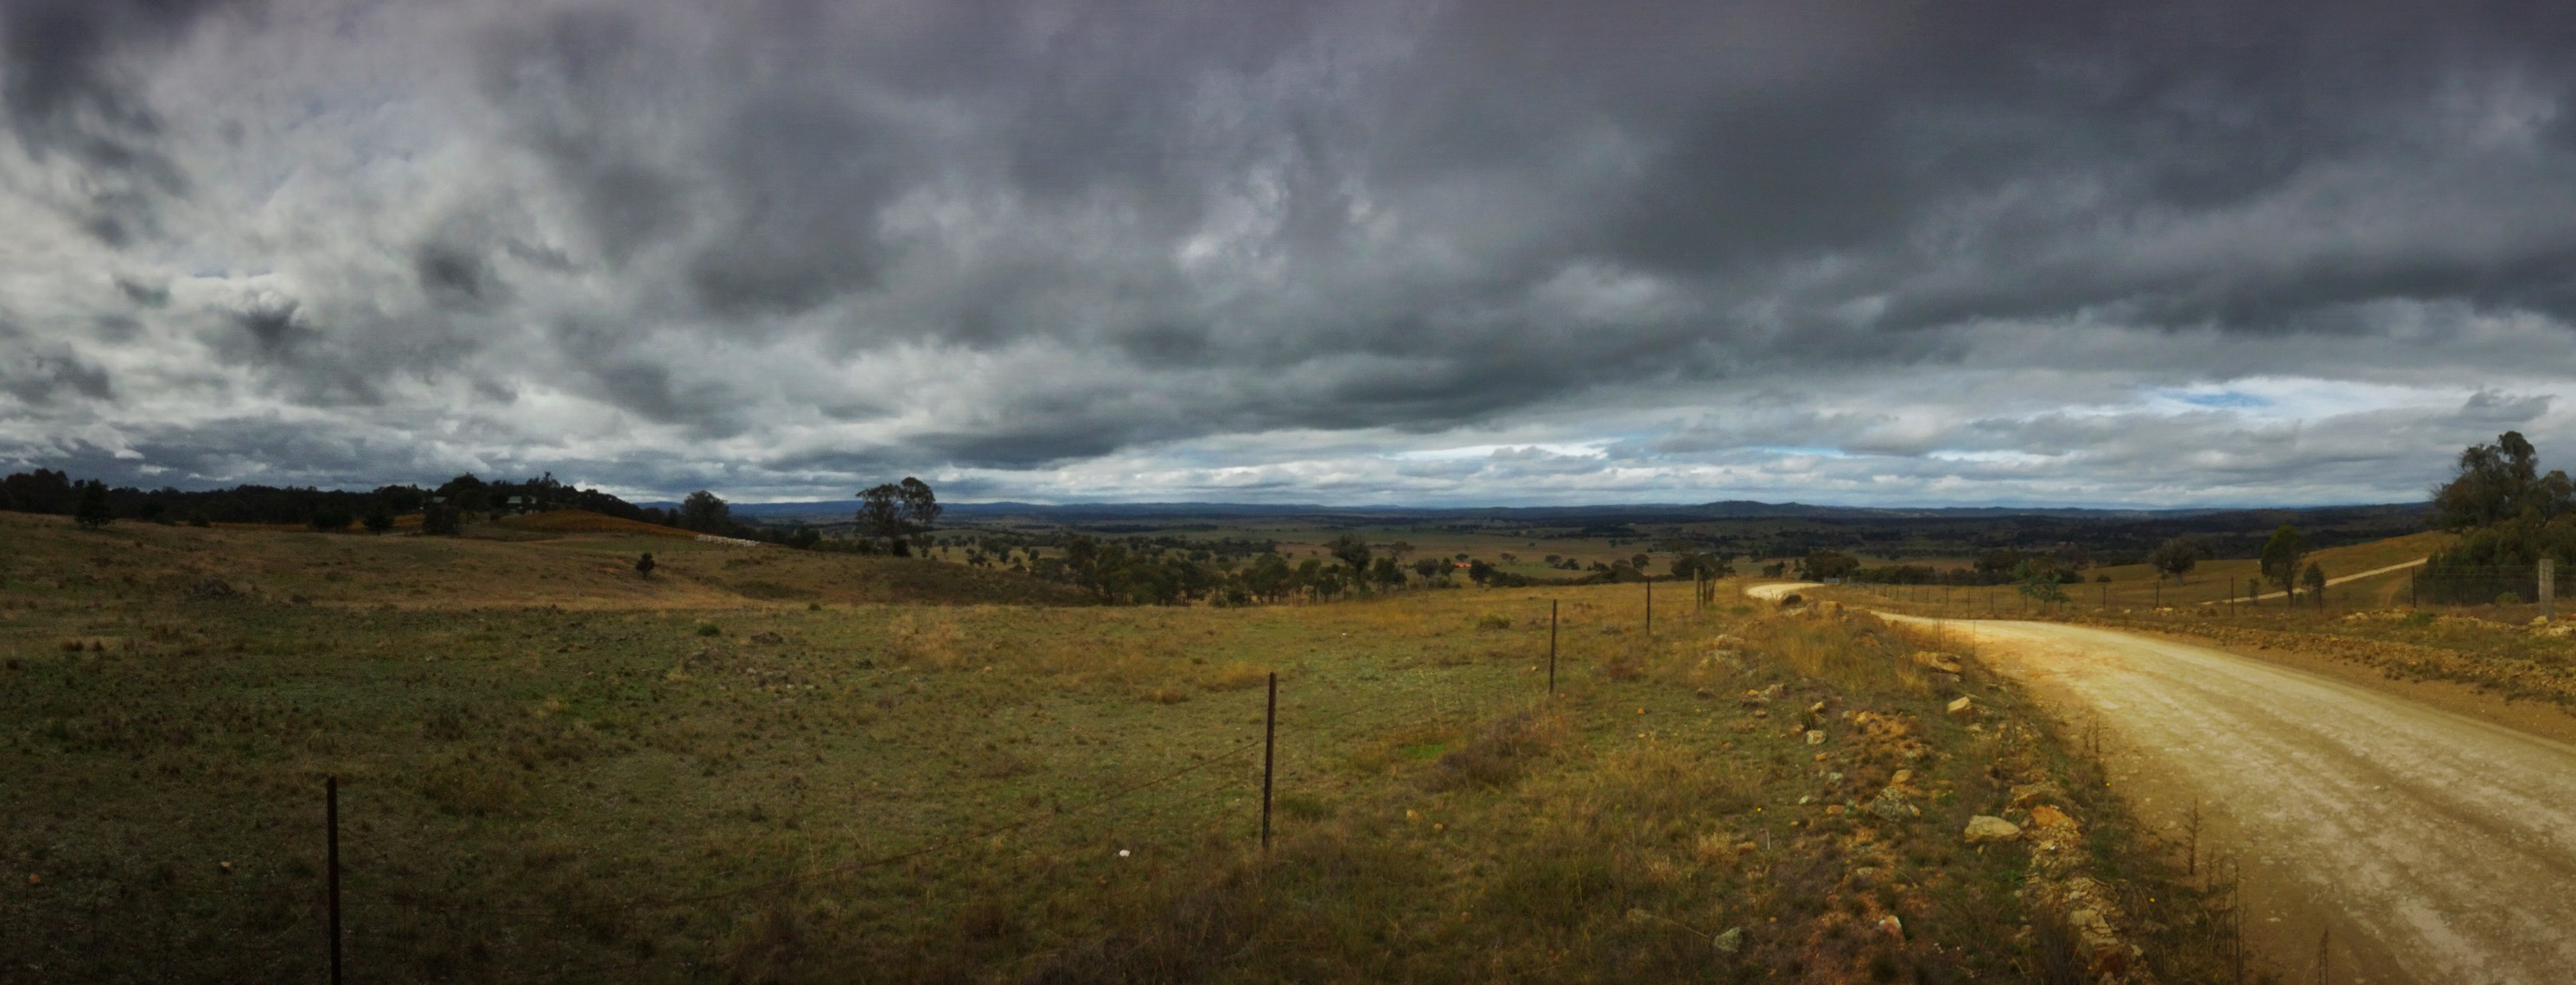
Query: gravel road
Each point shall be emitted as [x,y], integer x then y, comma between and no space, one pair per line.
[2413,843]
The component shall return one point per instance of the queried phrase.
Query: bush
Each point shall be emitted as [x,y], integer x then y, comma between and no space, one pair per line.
[330,518]
[440,518]
[379,519]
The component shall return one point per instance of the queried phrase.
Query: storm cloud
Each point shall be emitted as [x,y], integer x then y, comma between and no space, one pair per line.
[1427,252]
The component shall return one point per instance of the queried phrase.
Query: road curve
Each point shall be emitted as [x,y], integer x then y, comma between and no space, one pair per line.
[2435,847]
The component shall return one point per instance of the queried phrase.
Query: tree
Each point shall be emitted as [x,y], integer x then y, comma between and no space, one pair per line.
[1829,564]
[1429,567]
[2281,555]
[2174,558]
[2500,482]
[1388,574]
[1693,564]
[93,511]
[1352,550]
[330,518]
[881,511]
[2036,583]
[2314,580]
[920,506]
[466,494]
[706,513]
[1479,572]
[644,566]
[379,518]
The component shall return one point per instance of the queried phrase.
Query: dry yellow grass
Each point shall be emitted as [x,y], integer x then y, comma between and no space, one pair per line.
[585,521]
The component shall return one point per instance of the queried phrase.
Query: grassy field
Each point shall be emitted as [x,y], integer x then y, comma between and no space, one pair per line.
[2136,587]
[764,765]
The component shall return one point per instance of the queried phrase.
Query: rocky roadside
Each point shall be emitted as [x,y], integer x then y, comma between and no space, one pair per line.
[2519,663]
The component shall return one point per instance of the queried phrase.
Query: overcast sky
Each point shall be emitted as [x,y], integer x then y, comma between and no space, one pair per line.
[1837,251]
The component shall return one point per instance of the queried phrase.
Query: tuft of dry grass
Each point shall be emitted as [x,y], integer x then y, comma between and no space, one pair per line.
[1236,676]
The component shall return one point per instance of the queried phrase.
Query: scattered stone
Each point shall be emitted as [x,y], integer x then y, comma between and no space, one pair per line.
[1815,737]
[1963,707]
[1891,805]
[2026,794]
[1987,827]
[1931,660]
[2045,816]
[1731,941]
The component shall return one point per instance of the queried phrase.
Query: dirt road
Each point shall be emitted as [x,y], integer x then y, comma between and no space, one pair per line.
[2330,582]
[2418,844]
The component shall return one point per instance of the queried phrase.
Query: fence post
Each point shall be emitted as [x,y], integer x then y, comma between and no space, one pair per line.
[331,864]
[1269,743]
[1551,647]
[2548,588]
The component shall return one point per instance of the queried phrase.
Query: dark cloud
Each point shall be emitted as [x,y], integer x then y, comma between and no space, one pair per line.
[66,92]
[1708,242]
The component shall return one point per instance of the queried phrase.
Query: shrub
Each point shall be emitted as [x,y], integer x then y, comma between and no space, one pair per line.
[440,518]
[379,519]
[1499,756]
[709,629]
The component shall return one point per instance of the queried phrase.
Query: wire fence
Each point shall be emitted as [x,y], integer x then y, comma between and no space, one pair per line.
[315,897]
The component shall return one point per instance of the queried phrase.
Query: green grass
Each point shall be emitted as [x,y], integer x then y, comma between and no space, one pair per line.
[916,792]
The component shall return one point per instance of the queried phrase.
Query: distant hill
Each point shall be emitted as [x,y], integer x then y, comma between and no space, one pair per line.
[1652,513]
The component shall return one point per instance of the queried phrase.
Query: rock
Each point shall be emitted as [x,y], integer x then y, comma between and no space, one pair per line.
[1892,927]
[2026,794]
[1815,738]
[1891,805]
[1901,778]
[1790,599]
[1986,827]
[1931,660]
[2045,816]
[1731,941]
[1963,707]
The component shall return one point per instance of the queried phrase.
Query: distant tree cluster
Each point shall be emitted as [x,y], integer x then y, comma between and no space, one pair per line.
[2508,513]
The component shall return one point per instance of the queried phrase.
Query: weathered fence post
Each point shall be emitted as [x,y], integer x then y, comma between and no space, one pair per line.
[1269,744]
[331,864]
[2548,588]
